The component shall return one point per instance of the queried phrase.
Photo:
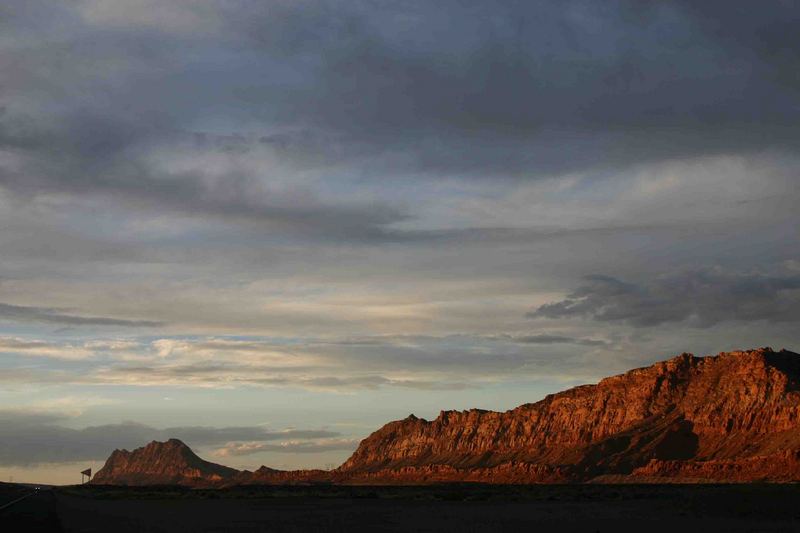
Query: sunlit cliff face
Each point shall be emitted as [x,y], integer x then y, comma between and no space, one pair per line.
[725,418]
[235,221]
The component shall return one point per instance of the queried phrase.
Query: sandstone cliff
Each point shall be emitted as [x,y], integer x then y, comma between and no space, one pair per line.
[731,417]
[734,416]
[161,463]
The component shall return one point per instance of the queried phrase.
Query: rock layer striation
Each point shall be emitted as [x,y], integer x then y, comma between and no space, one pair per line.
[730,417]
[161,463]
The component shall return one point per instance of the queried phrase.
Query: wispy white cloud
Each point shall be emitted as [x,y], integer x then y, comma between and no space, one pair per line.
[40,348]
[288,446]
[348,364]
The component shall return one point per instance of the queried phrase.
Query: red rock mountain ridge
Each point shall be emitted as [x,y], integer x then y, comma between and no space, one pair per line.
[161,463]
[730,417]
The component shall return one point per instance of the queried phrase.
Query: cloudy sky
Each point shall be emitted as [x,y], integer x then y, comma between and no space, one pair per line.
[268,227]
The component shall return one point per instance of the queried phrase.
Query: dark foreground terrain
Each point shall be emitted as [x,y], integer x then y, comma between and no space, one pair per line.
[466,508]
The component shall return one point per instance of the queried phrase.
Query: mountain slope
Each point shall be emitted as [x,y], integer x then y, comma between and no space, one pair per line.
[161,463]
[712,418]
[730,417]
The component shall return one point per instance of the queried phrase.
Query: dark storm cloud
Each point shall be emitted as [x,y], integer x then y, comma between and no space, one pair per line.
[702,298]
[383,89]
[20,313]
[190,150]
[508,87]
[770,34]
[28,439]
[101,155]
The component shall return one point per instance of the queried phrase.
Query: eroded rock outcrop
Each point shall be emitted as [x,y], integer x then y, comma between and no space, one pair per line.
[731,417]
[271,476]
[162,463]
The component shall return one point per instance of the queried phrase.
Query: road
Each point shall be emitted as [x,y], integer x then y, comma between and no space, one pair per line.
[33,512]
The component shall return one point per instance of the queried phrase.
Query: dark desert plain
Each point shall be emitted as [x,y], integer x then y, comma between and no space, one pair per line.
[470,508]
[399,265]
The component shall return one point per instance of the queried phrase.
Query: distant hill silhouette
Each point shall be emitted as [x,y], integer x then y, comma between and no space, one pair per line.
[730,417]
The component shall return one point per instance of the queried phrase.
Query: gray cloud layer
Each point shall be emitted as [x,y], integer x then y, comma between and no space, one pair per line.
[28,439]
[368,196]
[45,315]
[702,298]
[545,339]
[489,91]
[451,363]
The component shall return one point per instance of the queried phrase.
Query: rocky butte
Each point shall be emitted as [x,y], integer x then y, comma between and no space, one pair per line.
[161,463]
[733,417]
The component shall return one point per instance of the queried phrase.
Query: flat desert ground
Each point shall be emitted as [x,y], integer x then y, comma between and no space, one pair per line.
[563,508]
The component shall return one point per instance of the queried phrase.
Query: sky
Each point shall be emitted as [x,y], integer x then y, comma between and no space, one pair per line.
[267,227]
